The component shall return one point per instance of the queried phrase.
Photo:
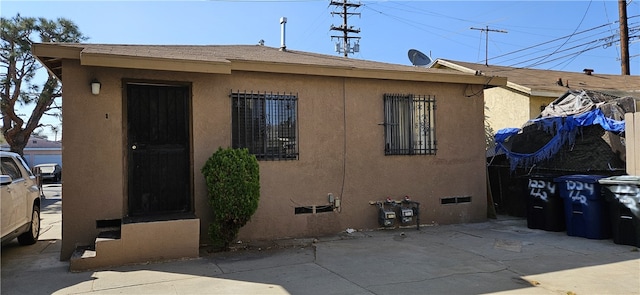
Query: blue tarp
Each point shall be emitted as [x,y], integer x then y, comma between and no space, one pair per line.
[564,130]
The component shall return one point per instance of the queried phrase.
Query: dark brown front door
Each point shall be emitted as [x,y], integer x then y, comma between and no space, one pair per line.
[159,177]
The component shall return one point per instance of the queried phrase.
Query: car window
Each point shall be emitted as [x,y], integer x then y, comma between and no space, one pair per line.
[26,167]
[46,169]
[10,168]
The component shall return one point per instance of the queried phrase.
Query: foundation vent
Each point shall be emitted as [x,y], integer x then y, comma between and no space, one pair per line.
[455,200]
[313,209]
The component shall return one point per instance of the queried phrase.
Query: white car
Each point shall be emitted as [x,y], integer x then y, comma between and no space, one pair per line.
[20,200]
[51,172]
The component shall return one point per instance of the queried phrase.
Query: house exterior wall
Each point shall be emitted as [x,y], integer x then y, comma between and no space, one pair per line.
[537,103]
[506,108]
[632,125]
[341,146]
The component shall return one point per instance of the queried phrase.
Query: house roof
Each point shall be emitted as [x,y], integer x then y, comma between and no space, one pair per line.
[223,59]
[536,82]
[36,142]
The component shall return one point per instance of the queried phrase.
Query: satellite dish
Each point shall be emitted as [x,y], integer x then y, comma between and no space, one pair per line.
[418,58]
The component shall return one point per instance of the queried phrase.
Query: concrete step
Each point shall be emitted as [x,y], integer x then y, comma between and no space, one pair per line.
[139,242]
[86,257]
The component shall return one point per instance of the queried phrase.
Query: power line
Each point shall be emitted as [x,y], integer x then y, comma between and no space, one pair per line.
[345,28]
[604,42]
[594,46]
[529,53]
[418,25]
[572,34]
[550,41]
[584,40]
[608,41]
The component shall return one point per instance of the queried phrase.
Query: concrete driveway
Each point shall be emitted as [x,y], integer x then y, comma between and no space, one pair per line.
[499,256]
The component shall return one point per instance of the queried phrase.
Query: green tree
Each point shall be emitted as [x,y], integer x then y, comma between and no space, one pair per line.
[19,68]
[233,184]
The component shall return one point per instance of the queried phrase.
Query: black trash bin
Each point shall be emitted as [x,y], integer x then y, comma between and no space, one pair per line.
[623,195]
[545,209]
[586,211]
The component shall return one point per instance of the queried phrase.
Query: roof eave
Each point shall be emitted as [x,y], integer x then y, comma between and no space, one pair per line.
[365,73]
[440,63]
[51,56]
[154,63]
[547,93]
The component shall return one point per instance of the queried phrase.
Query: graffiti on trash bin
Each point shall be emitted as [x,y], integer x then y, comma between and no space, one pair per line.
[578,191]
[541,189]
[628,196]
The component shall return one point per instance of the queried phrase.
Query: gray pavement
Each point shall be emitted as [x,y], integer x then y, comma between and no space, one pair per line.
[499,256]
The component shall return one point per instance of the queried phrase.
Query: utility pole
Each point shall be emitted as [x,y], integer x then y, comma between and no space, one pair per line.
[345,45]
[624,37]
[486,50]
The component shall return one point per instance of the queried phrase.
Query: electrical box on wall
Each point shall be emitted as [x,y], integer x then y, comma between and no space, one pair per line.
[405,210]
[386,217]
[406,215]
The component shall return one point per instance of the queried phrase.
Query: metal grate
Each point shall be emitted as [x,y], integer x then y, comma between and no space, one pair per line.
[455,200]
[266,124]
[409,122]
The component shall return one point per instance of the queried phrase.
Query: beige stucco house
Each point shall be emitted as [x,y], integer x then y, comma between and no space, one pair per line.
[528,91]
[331,134]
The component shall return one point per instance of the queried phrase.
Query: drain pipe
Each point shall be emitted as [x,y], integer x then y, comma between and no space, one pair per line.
[417,210]
[283,24]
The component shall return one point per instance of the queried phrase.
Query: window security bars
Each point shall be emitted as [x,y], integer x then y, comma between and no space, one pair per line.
[266,124]
[409,124]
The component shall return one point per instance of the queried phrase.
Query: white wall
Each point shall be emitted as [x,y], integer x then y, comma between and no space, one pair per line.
[632,140]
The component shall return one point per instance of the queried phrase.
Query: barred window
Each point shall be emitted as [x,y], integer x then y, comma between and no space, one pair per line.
[409,124]
[266,124]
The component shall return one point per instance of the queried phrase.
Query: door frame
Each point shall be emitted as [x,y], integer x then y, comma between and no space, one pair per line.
[125,141]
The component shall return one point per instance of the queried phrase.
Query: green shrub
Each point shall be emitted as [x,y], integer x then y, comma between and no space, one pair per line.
[233,184]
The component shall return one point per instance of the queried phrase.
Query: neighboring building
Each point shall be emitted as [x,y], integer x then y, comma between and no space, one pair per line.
[40,150]
[321,126]
[528,91]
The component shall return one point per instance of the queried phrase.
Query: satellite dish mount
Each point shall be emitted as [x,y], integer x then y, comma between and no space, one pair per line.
[418,58]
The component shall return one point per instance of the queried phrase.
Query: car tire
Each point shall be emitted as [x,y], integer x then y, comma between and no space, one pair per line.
[31,237]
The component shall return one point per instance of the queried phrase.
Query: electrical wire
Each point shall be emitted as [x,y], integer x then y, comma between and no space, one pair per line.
[574,53]
[593,45]
[541,61]
[572,34]
[417,25]
[528,54]
[593,35]
[546,42]
[606,13]
[608,41]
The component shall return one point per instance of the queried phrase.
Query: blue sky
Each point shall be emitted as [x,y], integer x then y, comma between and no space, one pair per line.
[558,35]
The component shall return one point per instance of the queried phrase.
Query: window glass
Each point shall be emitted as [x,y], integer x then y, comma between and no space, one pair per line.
[409,122]
[10,168]
[266,124]
[26,167]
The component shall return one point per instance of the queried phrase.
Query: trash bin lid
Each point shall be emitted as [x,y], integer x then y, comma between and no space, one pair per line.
[622,179]
[579,177]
